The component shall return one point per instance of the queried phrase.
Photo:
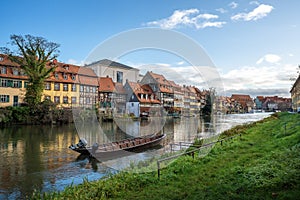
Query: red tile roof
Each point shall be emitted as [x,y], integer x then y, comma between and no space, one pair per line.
[243,99]
[160,79]
[5,61]
[138,88]
[69,71]
[73,73]
[106,84]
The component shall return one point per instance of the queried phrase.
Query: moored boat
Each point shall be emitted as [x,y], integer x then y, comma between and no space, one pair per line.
[117,149]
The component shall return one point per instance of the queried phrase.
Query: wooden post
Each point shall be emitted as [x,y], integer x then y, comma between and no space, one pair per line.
[158,170]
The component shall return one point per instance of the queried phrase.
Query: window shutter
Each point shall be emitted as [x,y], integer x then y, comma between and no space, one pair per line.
[9,83]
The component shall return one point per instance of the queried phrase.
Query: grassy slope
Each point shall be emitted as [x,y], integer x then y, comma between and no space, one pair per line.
[263,164]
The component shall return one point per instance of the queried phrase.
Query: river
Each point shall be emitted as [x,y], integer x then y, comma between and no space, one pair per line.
[38,157]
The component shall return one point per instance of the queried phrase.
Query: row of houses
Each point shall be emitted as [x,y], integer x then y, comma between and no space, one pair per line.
[241,103]
[105,84]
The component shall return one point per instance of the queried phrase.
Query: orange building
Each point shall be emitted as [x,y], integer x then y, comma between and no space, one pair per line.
[62,87]
[69,85]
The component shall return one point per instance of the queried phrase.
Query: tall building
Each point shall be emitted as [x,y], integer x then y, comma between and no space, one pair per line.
[295,94]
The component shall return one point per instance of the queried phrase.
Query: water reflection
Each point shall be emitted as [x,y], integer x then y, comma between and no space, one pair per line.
[26,151]
[38,158]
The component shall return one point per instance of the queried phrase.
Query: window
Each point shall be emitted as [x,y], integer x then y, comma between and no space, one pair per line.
[17,84]
[56,86]
[3,70]
[25,84]
[73,77]
[94,89]
[3,83]
[65,100]
[65,76]
[47,86]
[81,100]
[4,98]
[65,87]
[15,72]
[74,99]
[73,88]
[9,83]
[56,99]
[88,100]
[66,67]
[56,75]
[119,77]
[87,89]
[81,88]
[47,97]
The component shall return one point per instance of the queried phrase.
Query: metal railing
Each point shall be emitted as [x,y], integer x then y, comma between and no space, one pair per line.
[191,152]
[286,127]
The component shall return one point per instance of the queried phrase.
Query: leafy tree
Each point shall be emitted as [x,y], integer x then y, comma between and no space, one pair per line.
[209,100]
[32,54]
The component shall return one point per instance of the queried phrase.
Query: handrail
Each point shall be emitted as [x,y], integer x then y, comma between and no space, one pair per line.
[192,152]
[291,126]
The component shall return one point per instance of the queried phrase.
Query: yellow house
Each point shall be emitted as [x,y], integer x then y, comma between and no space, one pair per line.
[62,87]
[12,83]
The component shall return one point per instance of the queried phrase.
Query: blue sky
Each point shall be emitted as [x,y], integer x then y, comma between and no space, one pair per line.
[253,44]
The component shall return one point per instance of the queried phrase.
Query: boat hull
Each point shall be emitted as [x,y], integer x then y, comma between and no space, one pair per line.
[112,151]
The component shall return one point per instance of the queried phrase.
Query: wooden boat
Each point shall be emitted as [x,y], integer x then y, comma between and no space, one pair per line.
[118,149]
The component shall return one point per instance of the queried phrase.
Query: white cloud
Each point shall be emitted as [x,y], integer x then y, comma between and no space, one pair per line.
[163,64]
[270,58]
[211,24]
[233,5]
[259,12]
[180,63]
[252,80]
[221,10]
[260,80]
[189,17]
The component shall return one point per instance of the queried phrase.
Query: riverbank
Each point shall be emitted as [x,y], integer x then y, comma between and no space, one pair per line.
[43,113]
[262,164]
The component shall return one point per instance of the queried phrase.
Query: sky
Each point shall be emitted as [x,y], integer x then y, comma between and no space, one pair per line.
[254,45]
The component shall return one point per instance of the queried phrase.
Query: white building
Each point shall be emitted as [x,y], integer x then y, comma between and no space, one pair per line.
[117,71]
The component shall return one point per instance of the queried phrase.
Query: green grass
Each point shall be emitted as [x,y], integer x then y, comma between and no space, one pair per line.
[262,164]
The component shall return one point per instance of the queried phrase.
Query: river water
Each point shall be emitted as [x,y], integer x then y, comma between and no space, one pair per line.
[37,158]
